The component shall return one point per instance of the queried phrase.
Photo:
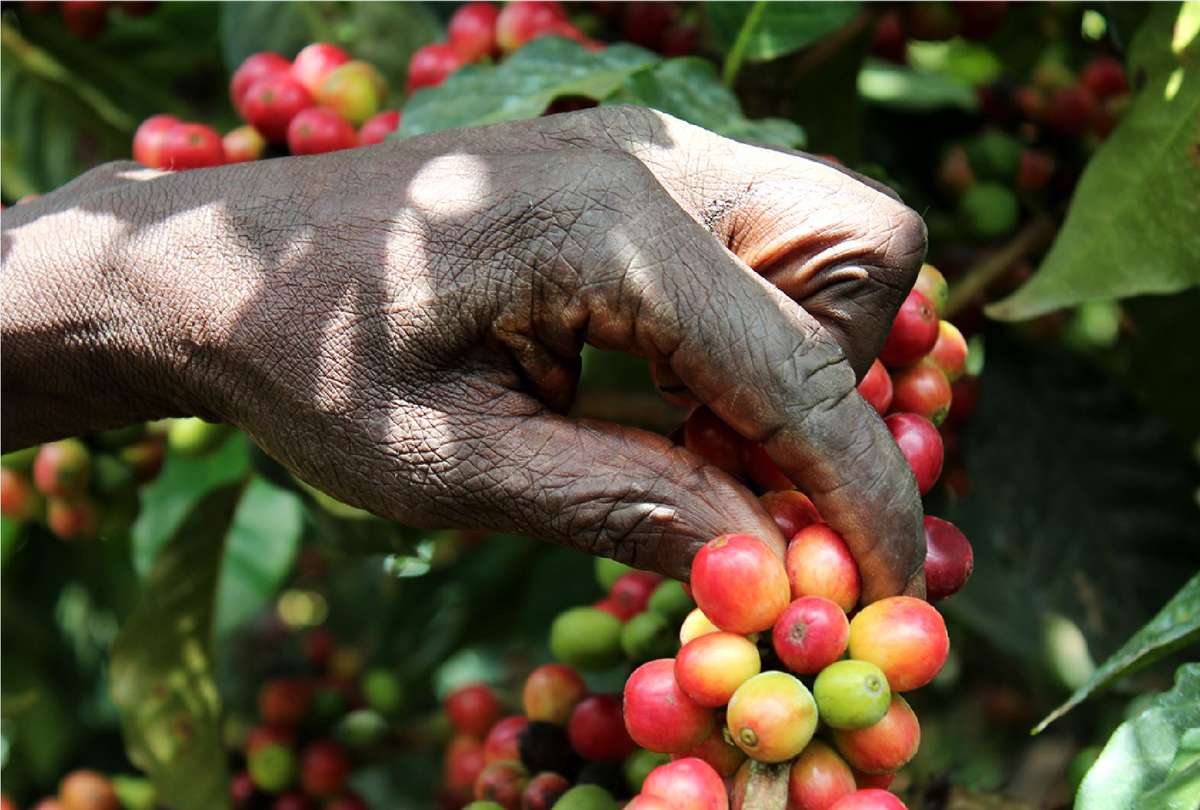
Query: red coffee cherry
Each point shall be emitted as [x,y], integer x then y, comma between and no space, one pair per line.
[819,563]
[315,62]
[264,735]
[791,509]
[377,128]
[85,19]
[551,692]
[818,778]
[543,791]
[903,636]
[18,500]
[739,583]
[272,102]
[949,559]
[501,742]
[724,757]
[876,387]
[473,709]
[502,782]
[708,437]
[87,790]
[871,799]
[430,65]
[324,768]
[462,763]
[884,747]
[318,130]
[62,468]
[810,634]
[254,67]
[149,138]
[687,784]
[243,144]
[284,702]
[597,729]
[762,469]
[923,389]
[192,146]
[659,715]
[932,284]
[921,445]
[772,717]
[711,668]
[949,353]
[632,591]
[913,332]
[1035,170]
[524,20]
[1070,110]
[644,802]
[1104,77]
[472,30]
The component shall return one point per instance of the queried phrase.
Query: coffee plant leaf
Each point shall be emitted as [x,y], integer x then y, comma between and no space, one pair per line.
[778,29]
[1131,226]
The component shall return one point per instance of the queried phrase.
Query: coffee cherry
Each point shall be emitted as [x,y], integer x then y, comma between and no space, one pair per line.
[659,715]
[482,804]
[995,156]
[502,782]
[921,445]
[315,62]
[546,747]
[292,800]
[932,284]
[762,469]
[924,390]
[712,667]
[264,735]
[639,765]
[852,694]
[670,600]
[543,791]
[1104,77]
[687,784]
[284,702]
[645,23]
[889,40]
[695,625]
[62,468]
[85,19]
[318,130]
[739,583]
[819,563]
[631,592]
[1035,171]
[431,65]
[609,571]
[472,30]
[724,757]
[949,559]
[876,387]
[148,140]
[87,790]
[242,791]
[551,692]
[354,91]
[871,799]
[18,500]
[272,767]
[679,40]
[879,781]
[586,797]
[243,144]
[1070,110]
[644,802]
[903,636]
[383,691]
[501,742]
[913,332]
[818,778]
[377,128]
[524,20]
[949,353]
[954,176]
[597,729]
[772,717]
[271,103]
[254,67]
[708,437]
[586,638]
[810,635]
[473,709]
[324,768]
[647,636]
[791,509]
[885,746]
[990,210]
[609,606]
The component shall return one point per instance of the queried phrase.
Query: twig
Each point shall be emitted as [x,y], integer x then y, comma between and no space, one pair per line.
[1035,236]
[733,62]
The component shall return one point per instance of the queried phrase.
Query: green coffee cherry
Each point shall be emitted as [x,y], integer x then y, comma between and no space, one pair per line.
[639,764]
[195,437]
[995,155]
[272,767]
[852,694]
[586,638]
[361,729]
[990,210]
[647,636]
[383,691]
[670,600]
[586,797]
[609,571]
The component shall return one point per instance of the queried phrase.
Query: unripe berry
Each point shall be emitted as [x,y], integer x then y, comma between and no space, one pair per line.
[73,517]
[913,332]
[254,67]
[87,790]
[473,709]
[354,91]
[791,509]
[810,635]
[647,636]
[659,715]
[772,717]
[818,778]
[377,128]
[472,30]
[586,638]
[609,571]
[62,468]
[597,729]
[724,757]
[431,65]
[924,390]
[819,563]
[695,625]
[551,692]
[876,387]
[885,746]
[315,62]
[739,583]
[932,284]
[949,353]
[502,741]
[149,138]
[990,210]
[852,694]
[903,636]
[670,600]
[383,691]
[921,445]
[318,130]
[271,103]
[711,668]
[243,144]
[272,767]
[949,558]
[708,437]
[687,784]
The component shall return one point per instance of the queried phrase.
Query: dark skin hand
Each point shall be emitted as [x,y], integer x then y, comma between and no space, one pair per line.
[401,326]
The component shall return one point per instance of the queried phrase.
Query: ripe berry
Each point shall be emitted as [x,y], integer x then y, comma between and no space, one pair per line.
[586,638]
[644,802]
[501,742]
[192,146]
[86,19]
[724,757]
[284,702]
[913,332]
[377,128]
[921,445]
[597,729]
[876,387]
[818,778]
[1035,170]
[631,592]
[819,563]
[18,500]
[810,635]
[712,667]
[659,715]
[324,768]
[87,790]
[271,103]
[242,791]
[462,763]
[472,30]
[1104,77]
[679,40]
[609,606]
[903,636]
[772,717]
[62,468]
[924,390]
[317,130]
[695,625]
[473,709]
[292,800]
[889,40]
[502,782]
[272,767]
[645,24]
[551,692]
[254,67]
[949,559]
[687,784]
[430,65]
[523,20]
[543,791]
[852,694]
[149,138]
[762,469]
[880,781]
[981,20]
[949,353]
[708,437]
[264,735]
[243,144]
[354,91]
[791,509]
[315,62]
[739,583]
[932,284]
[885,746]
[871,798]
[73,517]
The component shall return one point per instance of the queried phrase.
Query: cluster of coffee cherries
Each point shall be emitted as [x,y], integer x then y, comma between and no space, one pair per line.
[87,19]
[321,101]
[934,22]
[85,789]
[82,488]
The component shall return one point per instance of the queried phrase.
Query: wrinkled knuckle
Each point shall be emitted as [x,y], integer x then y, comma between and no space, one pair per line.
[907,241]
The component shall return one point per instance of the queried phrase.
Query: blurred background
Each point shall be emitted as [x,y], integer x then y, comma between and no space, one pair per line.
[1054,150]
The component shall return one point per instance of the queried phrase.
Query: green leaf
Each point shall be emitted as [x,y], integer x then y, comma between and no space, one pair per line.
[689,88]
[259,552]
[161,668]
[166,501]
[904,88]
[1134,769]
[780,29]
[1131,227]
[523,85]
